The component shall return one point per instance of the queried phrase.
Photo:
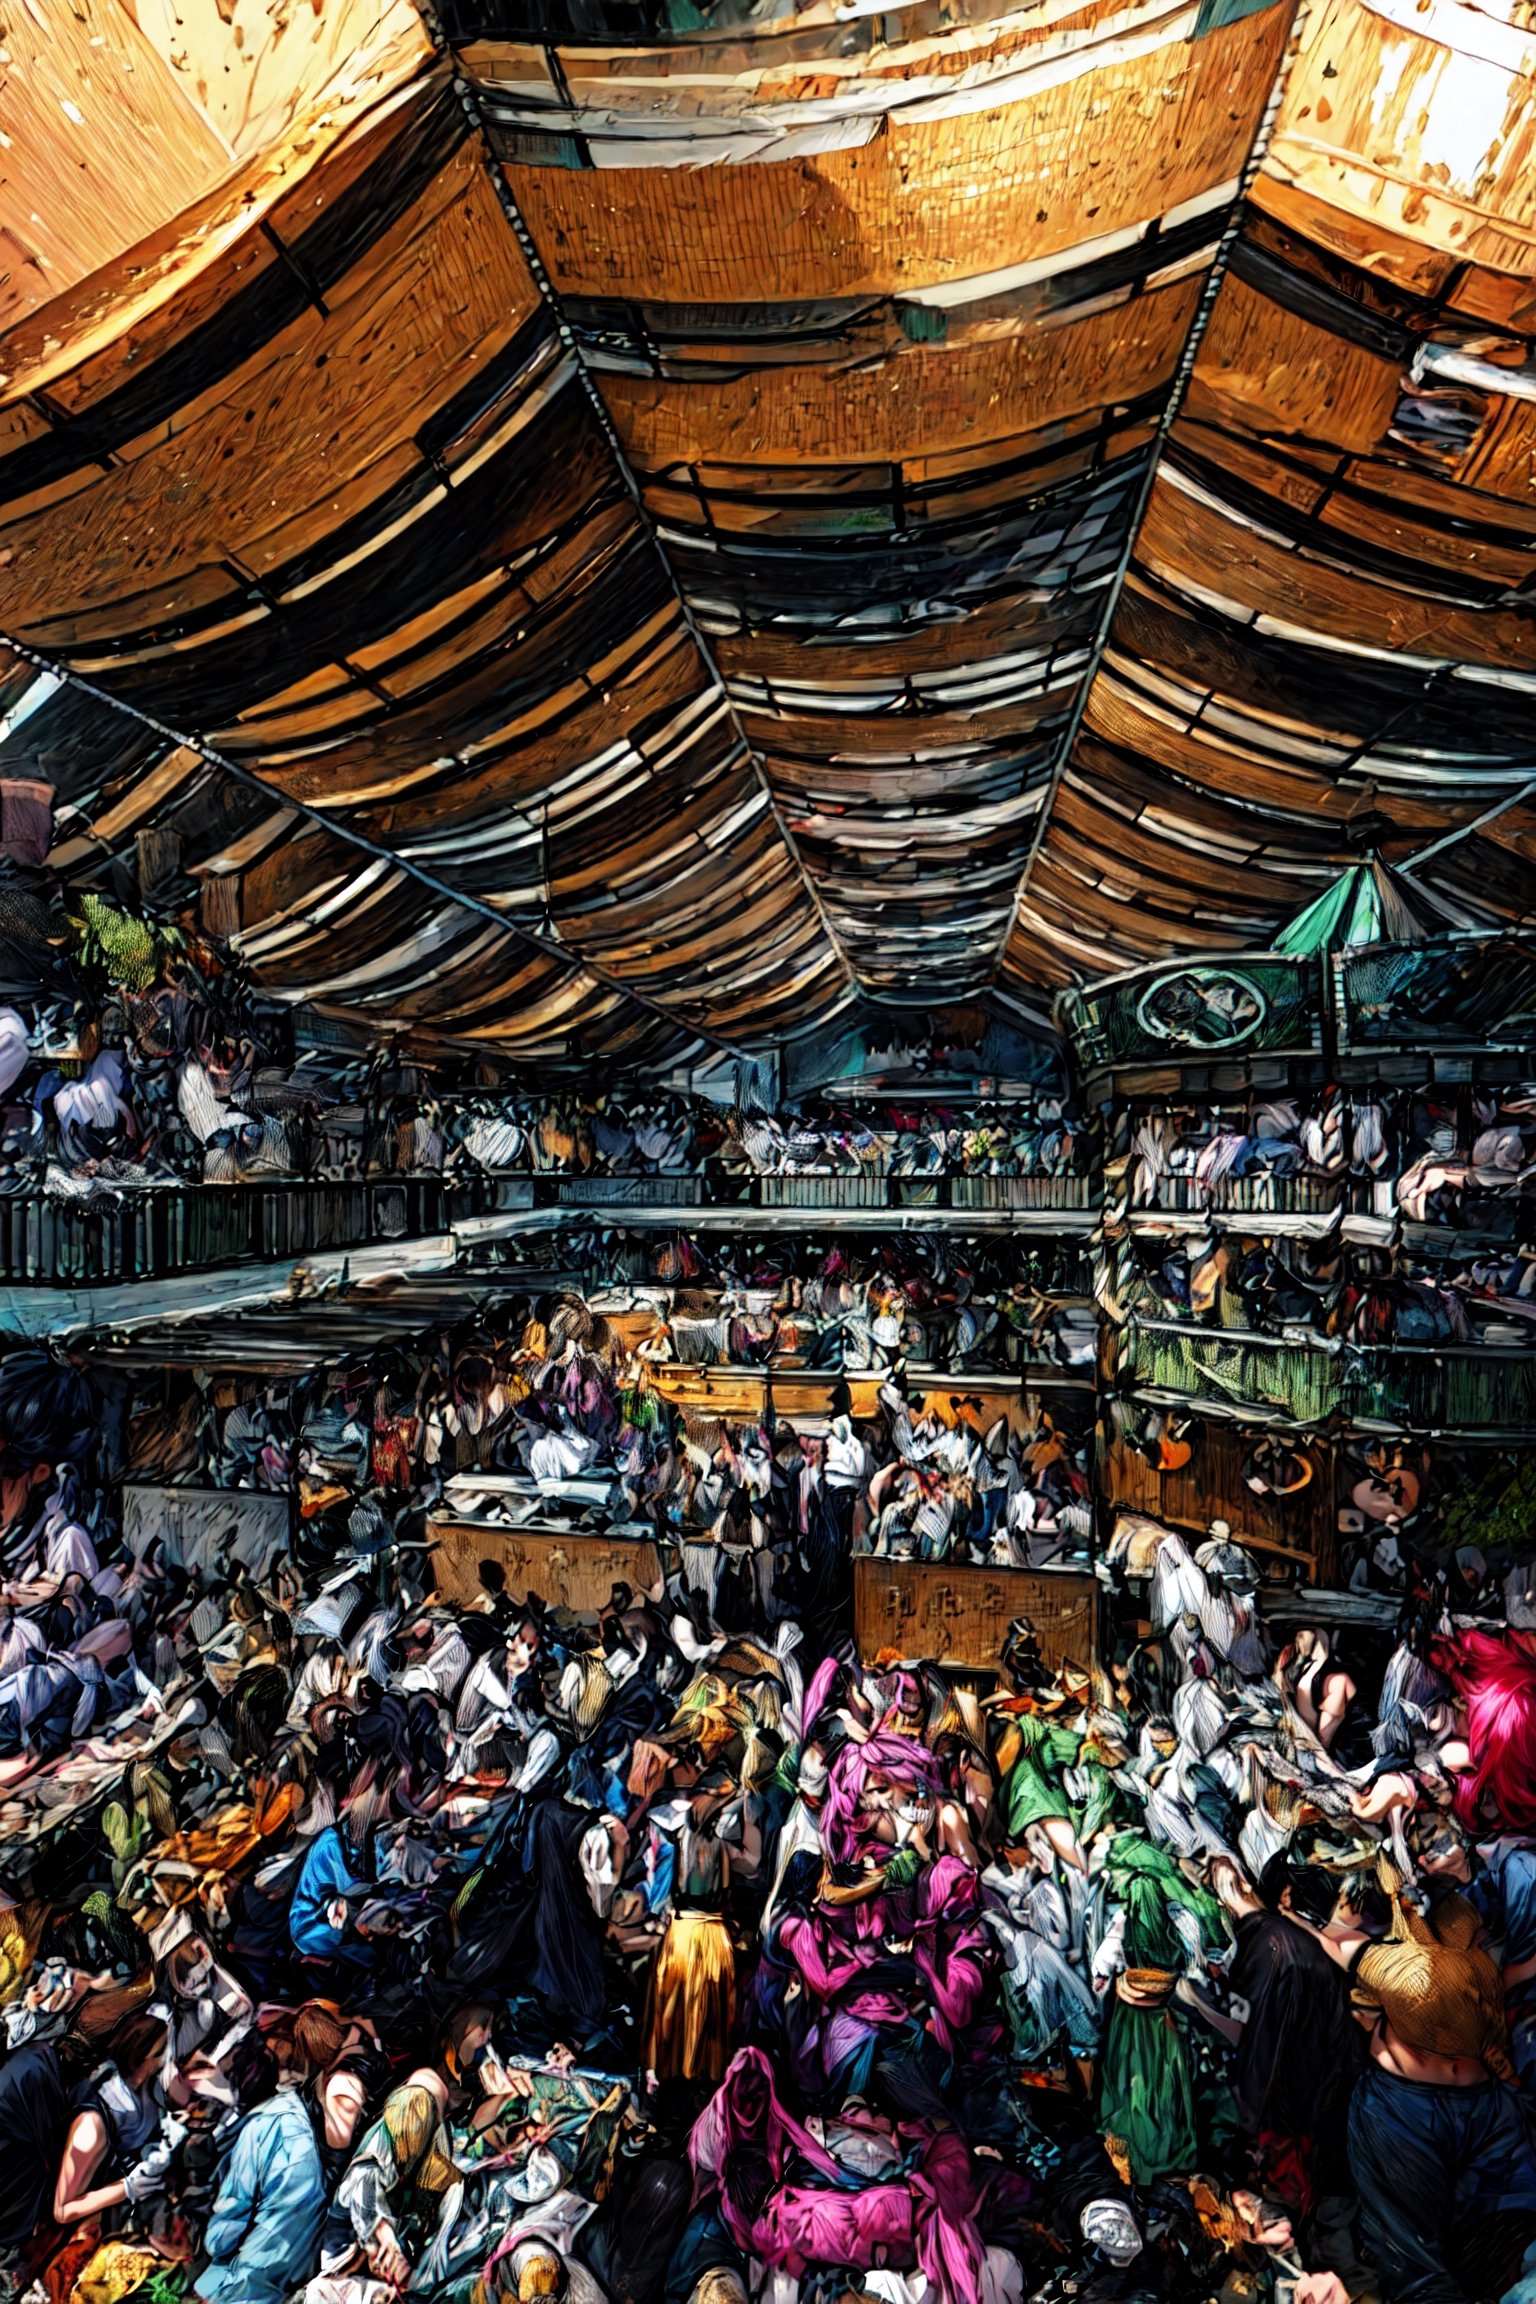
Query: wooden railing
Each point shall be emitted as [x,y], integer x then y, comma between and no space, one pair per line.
[1457,1387]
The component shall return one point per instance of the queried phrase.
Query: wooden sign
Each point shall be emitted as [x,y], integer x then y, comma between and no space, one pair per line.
[796,1394]
[738,1394]
[567,1571]
[951,1614]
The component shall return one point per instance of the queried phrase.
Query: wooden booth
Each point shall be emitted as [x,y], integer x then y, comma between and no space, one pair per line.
[958,1615]
[566,1570]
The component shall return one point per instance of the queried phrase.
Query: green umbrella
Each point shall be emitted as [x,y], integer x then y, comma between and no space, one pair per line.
[1370,903]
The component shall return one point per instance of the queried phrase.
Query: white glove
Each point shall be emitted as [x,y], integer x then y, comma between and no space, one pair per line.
[148,2175]
[1109,2226]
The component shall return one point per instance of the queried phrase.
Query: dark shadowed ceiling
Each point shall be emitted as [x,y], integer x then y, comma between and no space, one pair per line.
[628,527]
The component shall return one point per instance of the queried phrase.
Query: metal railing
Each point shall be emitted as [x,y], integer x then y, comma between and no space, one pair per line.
[153,1231]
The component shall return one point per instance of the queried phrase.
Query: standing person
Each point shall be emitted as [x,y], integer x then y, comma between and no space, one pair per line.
[115,2156]
[1438,2145]
[263,2237]
[209,2014]
[1297,2049]
[1314,1677]
[831,1513]
[49,1417]
[1498,1878]
[690,2008]
[1146,2095]
[36,2083]
[338,1873]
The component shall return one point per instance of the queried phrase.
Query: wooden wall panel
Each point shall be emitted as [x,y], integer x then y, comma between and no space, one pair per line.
[890,402]
[1211,1487]
[761,704]
[103,142]
[922,402]
[347,510]
[928,202]
[123,122]
[1201,548]
[1268,371]
[372,368]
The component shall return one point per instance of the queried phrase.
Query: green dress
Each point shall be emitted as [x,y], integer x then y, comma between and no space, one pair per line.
[1035,1790]
[1146,2091]
[1146,2074]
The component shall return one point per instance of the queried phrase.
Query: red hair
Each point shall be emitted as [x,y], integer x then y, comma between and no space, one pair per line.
[1496,1681]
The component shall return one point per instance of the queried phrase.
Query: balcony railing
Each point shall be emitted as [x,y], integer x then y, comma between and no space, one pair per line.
[811,1190]
[1038,1192]
[152,1232]
[676,1188]
[1260,1194]
[1461,1387]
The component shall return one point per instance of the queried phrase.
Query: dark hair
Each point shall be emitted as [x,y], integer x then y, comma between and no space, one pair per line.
[1273,1881]
[1314,1890]
[49,1413]
[801,1883]
[137,2038]
[1372,1907]
[500,1755]
[462,2021]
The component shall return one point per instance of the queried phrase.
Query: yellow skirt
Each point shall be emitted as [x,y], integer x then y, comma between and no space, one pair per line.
[690,2007]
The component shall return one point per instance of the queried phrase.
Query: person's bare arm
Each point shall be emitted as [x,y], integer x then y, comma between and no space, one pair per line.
[31,1591]
[1342,1940]
[74,2195]
[749,1856]
[1338,1695]
[1397,1789]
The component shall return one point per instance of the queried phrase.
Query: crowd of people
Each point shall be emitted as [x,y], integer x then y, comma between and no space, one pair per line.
[1453,1162]
[1033,1134]
[573,1417]
[1437,1152]
[143,1057]
[135,1052]
[359,1943]
[1323,1286]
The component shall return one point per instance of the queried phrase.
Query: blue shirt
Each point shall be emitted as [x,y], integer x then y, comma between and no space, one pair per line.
[263,2237]
[326,1875]
[1503,1890]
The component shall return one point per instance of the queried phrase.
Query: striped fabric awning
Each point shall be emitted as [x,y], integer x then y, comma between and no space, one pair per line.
[631,530]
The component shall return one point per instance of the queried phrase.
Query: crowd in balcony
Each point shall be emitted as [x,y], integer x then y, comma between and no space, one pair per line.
[1312,1194]
[1296,1290]
[1037,1136]
[790,1300]
[1434,1154]
[184,1082]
